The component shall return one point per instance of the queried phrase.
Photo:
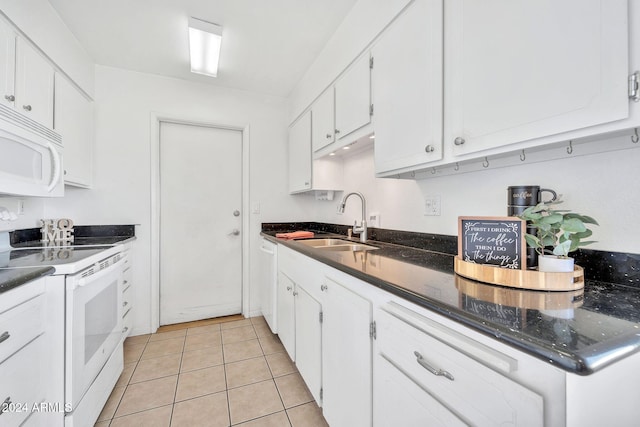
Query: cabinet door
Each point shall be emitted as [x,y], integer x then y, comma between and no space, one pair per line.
[7,64]
[74,121]
[308,340]
[353,98]
[323,120]
[407,89]
[300,154]
[400,401]
[34,84]
[346,357]
[286,314]
[516,71]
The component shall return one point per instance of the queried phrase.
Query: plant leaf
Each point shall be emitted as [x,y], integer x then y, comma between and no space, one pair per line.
[563,248]
[573,225]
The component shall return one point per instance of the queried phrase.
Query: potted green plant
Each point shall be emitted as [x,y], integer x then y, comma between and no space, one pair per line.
[561,230]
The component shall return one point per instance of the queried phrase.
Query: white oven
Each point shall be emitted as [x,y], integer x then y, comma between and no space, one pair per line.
[93,334]
[31,160]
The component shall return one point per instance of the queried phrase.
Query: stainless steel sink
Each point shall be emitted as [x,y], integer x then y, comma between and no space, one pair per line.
[336,245]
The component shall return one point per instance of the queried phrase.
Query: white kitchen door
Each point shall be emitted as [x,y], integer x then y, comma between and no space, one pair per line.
[200,222]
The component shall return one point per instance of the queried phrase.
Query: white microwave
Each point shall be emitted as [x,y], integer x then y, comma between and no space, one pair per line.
[30,157]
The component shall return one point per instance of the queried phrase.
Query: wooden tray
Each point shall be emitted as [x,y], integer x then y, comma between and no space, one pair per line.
[521,298]
[521,279]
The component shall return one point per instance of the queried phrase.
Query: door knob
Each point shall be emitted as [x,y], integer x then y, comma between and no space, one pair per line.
[236,213]
[235,232]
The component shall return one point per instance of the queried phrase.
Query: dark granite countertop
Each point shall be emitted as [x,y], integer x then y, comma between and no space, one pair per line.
[579,331]
[85,235]
[14,277]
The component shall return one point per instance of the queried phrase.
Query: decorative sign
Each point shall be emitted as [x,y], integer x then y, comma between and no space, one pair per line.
[495,241]
[57,231]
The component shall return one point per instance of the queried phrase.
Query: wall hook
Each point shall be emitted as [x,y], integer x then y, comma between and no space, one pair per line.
[635,138]
[570,147]
[523,156]
[485,164]
[457,167]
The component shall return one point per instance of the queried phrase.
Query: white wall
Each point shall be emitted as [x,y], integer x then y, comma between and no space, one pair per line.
[603,186]
[31,216]
[125,102]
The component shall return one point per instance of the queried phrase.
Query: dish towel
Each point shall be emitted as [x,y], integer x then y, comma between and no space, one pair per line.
[295,235]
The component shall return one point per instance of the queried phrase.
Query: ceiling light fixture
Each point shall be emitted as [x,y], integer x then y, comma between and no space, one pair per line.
[205,39]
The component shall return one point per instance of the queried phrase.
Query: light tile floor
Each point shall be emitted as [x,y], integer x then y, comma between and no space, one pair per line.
[235,373]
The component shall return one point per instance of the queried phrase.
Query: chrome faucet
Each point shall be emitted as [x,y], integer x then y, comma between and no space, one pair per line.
[362,229]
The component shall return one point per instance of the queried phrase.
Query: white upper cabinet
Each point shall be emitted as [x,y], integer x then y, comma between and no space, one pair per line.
[323,120]
[74,122]
[518,71]
[407,89]
[34,84]
[300,154]
[353,98]
[26,78]
[7,64]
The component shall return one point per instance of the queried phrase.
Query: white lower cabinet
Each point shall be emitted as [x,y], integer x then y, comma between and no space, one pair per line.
[402,401]
[308,340]
[381,361]
[286,314]
[31,354]
[346,356]
[472,391]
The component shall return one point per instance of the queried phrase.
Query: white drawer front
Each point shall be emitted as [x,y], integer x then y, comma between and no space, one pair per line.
[475,393]
[401,402]
[20,325]
[21,386]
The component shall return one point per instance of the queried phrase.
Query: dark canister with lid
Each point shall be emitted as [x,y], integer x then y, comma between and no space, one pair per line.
[519,198]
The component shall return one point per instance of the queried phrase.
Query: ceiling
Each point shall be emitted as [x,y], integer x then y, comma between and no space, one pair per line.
[267,45]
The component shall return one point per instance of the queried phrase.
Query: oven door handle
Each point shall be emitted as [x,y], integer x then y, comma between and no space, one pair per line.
[95,276]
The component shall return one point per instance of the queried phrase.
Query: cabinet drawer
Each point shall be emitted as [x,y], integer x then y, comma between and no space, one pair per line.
[474,392]
[20,325]
[21,385]
[401,402]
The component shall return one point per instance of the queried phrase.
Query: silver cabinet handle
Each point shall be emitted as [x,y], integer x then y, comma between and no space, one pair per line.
[429,148]
[306,183]
[434,371]
[126,328]
[124,282]
[234,232]
[323,287]
[288,288]
[337,131]
[4,407]
[5,336]
[27,107]
[125,303]
[459,141]
[236,213]
[10,98]
[329,136]
[295,293]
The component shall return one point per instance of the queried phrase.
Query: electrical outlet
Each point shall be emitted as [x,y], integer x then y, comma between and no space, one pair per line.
[432,205]
[374,220]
